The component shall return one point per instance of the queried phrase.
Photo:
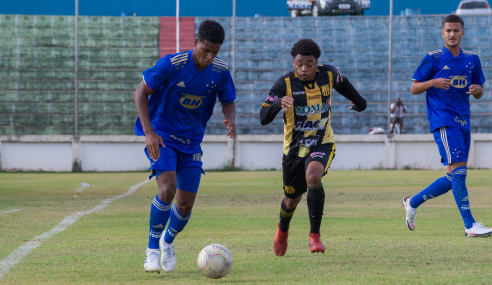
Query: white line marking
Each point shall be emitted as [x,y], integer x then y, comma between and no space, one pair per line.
[10,211]
[80,189]
[19,253]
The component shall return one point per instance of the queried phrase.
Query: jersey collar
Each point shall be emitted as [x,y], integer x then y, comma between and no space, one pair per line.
[447,53]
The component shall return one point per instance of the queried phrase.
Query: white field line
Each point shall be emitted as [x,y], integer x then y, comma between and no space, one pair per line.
[19,253]
[80,189]
[10,211]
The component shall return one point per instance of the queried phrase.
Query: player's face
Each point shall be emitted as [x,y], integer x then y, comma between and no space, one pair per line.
[205,52]
[305,67]
[452,34]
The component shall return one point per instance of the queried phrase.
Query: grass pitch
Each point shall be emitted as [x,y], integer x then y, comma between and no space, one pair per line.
[363,230]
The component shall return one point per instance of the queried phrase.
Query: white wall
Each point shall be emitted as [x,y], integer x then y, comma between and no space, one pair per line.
[36,156]
[250,152]
[114,157]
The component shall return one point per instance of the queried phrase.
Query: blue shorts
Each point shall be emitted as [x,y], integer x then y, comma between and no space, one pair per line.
[453,144]
[188,167]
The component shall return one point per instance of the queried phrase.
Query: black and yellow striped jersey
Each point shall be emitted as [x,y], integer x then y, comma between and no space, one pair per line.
[307,122]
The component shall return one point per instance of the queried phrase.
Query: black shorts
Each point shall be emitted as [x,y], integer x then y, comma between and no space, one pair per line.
[294,169]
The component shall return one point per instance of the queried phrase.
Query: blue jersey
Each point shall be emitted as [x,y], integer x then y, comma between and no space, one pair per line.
[450,108]
[184,99]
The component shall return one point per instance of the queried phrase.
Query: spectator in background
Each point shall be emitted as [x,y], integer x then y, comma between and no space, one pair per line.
[397,110]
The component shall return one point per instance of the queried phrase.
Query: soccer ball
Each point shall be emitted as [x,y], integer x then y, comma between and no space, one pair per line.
[215,261]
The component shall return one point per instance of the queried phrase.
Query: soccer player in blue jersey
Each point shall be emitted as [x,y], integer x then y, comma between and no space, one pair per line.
[449,75]
[183,89]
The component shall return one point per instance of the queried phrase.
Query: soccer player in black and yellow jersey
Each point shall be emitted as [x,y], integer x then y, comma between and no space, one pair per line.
[309,143]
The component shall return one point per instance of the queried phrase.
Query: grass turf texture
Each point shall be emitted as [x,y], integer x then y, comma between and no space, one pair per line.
[363,230]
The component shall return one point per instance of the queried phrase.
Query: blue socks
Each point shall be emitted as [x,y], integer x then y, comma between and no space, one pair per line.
[159,214]
[439,187]
[461,195]
[177,222]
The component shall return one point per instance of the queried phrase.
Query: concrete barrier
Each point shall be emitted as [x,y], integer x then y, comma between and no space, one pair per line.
[248,152]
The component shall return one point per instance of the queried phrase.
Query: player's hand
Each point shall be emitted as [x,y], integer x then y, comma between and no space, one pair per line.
[152,141]
[441,83]
[354,107]
[286,102]
[232,128]
[474,89]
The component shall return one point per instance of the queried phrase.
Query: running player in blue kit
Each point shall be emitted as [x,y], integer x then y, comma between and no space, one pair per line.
[449,75]
[183,89]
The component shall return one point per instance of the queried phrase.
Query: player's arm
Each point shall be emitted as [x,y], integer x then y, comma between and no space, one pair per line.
[227,97]
[347,90]
[141,97]
[229,111]
[477,89]
[153,78]
[420,87]
[275,102]
[422,78]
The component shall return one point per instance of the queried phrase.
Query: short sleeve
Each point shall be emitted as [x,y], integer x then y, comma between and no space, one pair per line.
[425,69]
[227,91]
[278,90]
[156,76]
[478,77]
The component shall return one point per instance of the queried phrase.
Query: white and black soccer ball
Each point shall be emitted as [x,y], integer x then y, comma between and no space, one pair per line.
[215,261]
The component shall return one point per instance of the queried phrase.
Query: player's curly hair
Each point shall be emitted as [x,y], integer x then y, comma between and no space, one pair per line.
[211,31]
[306,47]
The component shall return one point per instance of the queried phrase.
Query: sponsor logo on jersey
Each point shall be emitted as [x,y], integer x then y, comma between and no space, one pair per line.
[306,142]
[465,207]
[460,121]
[311,125]
[181,140]
[313,109]
[191,101]
[459,81]
[445,67]
[317,154]
[299,93]
[325,90]
[465,199]
[181,84]
[273,99]
[314,97]
[289,189]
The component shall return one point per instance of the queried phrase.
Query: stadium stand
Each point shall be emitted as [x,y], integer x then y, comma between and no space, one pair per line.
[358,47]
[37,72]
[37,68]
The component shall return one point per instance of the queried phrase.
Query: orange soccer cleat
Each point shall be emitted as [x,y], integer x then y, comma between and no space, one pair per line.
[315,243]
[280,242]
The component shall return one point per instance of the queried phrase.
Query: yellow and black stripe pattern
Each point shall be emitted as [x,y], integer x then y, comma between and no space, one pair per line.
[307,122]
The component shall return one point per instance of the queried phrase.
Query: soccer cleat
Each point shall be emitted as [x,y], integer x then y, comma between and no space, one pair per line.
[315,243]
[478,230]
[168,258]
[410,218]
[151,263]
[280,242]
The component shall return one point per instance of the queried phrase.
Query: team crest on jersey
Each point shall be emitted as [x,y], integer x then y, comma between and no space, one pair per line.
[459,81]
[325,90]
[191,101]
